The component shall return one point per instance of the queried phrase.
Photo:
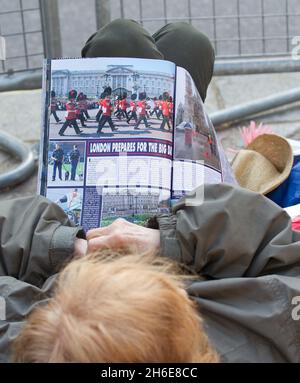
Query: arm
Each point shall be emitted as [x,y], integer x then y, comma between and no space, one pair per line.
[37,238]
[233,233]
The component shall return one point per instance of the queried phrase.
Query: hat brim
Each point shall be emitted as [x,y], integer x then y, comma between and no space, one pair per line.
[278,152]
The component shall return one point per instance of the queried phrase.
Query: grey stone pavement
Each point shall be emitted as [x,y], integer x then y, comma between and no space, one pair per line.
[20,115]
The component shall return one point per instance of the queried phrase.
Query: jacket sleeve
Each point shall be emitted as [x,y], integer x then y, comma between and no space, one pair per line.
[231,233]
[36,238]
[17,300]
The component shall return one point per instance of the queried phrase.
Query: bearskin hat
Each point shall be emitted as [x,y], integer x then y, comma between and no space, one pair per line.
[80,96]
[142,96]
[107,90]
[52,93]
[72,94]
[133,96]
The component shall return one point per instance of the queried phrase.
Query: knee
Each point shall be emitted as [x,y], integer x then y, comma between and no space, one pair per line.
[120,25]
[184,31]
[108,35]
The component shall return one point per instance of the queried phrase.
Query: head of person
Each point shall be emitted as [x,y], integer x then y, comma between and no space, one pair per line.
[115,308]
[80,96]
[75,192]
[75,147]
[52,93]
[133,96]
[57,146]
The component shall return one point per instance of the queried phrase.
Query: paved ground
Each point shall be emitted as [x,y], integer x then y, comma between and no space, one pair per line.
[21,114]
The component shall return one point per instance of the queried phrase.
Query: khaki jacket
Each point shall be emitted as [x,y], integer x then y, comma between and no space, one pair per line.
[239,243]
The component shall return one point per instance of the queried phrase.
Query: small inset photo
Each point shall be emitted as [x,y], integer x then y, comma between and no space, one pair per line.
[66,163]
[195,137]
[70,200]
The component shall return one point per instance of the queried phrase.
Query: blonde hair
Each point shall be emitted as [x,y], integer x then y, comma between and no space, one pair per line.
[116,309]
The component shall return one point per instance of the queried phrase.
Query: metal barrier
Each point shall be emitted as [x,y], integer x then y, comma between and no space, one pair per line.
[27,166]
[237,28]
[21,27]
[242,111]
[31,30]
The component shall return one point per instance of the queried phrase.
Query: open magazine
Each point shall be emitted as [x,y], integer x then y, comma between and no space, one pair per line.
[123,137]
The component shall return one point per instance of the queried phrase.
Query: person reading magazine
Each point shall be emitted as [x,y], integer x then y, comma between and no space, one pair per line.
[213,279]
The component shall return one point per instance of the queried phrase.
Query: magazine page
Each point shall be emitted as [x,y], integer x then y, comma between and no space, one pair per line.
[108,142]
[196,150]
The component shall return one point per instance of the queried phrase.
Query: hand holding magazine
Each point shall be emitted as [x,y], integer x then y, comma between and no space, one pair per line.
[124,137]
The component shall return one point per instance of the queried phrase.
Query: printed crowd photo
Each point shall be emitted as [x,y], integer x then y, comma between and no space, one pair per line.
[195,138]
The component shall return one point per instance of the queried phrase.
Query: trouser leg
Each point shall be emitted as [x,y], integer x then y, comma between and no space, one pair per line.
[121,38]
[75,126]
[98,115]
[54,171]
[111,124]
[138,122]
[64,127]
[59,166]
[146,121]
[196,54]
[55,115]
[127,38]
[163,123]
[73,170]
[101,123]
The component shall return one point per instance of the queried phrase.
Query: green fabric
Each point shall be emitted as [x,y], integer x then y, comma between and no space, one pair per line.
[36,239]
[239,243]
[244,246]
[178,42]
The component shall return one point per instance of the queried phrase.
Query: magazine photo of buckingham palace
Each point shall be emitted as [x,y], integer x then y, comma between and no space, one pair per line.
[121,78]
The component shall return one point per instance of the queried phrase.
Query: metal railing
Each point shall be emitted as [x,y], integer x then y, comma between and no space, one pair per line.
[31,32]
[21,27]
[236,28]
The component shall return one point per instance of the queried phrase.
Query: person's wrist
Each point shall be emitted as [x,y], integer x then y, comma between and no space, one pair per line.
[80,248]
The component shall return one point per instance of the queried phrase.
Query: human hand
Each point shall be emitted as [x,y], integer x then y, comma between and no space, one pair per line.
[125,236]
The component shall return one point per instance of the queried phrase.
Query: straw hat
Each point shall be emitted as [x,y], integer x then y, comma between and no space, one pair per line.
[264,164]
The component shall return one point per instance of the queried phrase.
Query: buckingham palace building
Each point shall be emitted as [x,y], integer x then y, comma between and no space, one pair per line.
[121,78]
